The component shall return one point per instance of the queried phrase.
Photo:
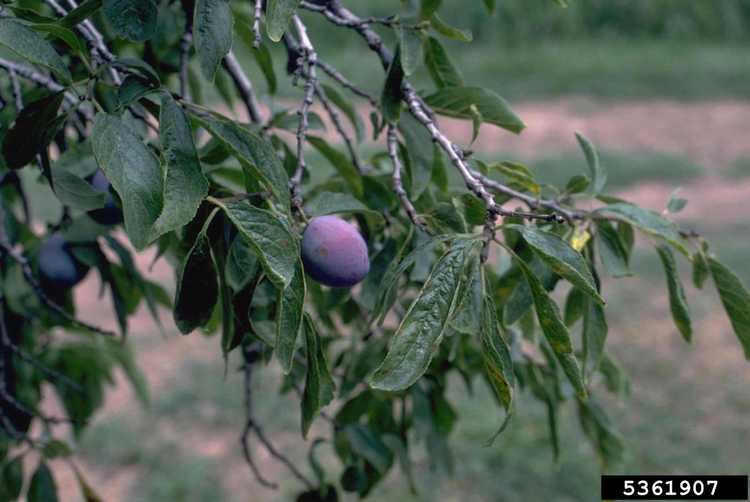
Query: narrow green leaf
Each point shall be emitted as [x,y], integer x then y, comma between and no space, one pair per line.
[427,8]
[80,13]
[242,264]
[365,443]
[390,99]
[456,102]
[337,203]
[594,336]
[42,487]
[212,34]
[289,315]
[441,69]
[197,288]
[347,108]
[612,251]
[498,365]
[598,173]
[278,15]
[467,316]
[31,46]
[575,304]
[676,204]
[553,327]
[647,221]
[561,257]
[700,269]
[319,386]
[132,19]
[422,327]
[66,35]
[255,153]
[410,42]
[269,237]
[736,301]
[135,174]
[75,192]
[185,186]
[11,476]
[30,134]
[262,57]
[419,147]
[449,31]
[677,299]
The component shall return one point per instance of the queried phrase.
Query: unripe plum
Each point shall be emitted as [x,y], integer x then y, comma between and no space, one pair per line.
[58,267]
[334,253]
[110,214]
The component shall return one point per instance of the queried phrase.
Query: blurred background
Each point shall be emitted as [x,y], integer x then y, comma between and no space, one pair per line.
[662,87]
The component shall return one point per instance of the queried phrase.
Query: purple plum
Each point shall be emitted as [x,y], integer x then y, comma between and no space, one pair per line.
[110,214]
[58,267]
[334,252]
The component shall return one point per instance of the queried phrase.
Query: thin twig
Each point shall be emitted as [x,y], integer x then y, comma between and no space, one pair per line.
[244,86]
[257,9]
[398,184]
[185,43]
[346,83]
[17,97]
[336,121]
[307,67]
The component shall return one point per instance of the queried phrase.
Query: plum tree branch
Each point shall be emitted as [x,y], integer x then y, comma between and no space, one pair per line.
[398,184]
[257,10]
[244,86]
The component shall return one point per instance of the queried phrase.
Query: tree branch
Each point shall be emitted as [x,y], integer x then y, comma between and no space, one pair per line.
[244,86]
[398,185]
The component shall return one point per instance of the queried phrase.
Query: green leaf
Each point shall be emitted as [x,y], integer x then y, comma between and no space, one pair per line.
[42,487]
[427,8]
[242,264]
[30,134]
[132,19]
[518,174]
[185,186]
[456,102]
[553,327]
[262,57]
[268,236]
[676,204]
[135,174]
[598,173]
[255,153]
[498,365]
[561,257]
[132,89]
[420,150]
[410,42]
[390,99]
[31,46]
[11,476]
[677,300]
[736,301]
[490,6]
[575,304]
[647,221]
[422,328]
[197,287]
[449,31]
[700,269]
[441,69]
[467,316]
[75,192]
[66,35]
[597,426]
[612,251]
[337,203]
[594,336]
[212,34]
[278,15]
[290,311]
[365,443]
[341,162]
[577,184]
[80,13]
[319,386]
[347,108]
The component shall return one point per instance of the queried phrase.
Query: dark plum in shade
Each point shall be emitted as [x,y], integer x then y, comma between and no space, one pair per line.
[334,253]
[110,214]
[57,266]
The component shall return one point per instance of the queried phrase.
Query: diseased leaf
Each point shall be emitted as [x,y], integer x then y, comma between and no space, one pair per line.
[319,386]
[132,19]
[736,300]
[598,173]
[269,237]
[498,365]
[197,287]
[32,131]
[278,15]
[32,47]
[467,316]
[289,315]
[441,69]
[422,328]
[185,187]
[677,301]
[212,34]
[554,328]
[135,174]
[456,102]
[254,152]
[561,257]
[647,221]
[597,426]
